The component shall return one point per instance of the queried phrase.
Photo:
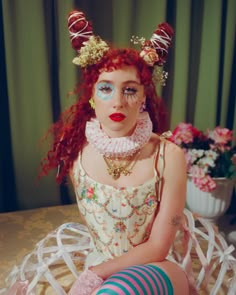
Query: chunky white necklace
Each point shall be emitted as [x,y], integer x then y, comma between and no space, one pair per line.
[119,147]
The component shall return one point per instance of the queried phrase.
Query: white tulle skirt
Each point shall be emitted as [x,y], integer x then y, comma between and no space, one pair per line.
[58,259]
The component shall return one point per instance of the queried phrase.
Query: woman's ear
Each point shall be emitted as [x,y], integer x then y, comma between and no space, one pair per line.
[143,106]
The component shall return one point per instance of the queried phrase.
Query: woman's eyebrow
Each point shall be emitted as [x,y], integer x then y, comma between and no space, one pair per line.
[105,81]
[124,82]
[131,81]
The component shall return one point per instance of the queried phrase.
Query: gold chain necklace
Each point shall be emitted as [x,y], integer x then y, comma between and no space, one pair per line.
[125,168]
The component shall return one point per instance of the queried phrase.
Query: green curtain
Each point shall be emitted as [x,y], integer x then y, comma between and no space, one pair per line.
[37,74]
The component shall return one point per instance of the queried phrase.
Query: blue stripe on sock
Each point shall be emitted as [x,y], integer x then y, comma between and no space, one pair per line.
[161,273]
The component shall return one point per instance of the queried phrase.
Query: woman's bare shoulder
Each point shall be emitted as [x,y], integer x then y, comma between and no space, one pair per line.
[173,148]
[170,147]
[174,156]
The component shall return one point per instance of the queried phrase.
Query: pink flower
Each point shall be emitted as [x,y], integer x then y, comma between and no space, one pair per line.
[208,154]
[90,193]
[184,133]
[196,172]
[120,227]
[220,135]
[188,158]
[205,184]
[149,55]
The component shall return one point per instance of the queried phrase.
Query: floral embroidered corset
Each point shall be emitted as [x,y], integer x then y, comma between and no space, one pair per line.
[117,218]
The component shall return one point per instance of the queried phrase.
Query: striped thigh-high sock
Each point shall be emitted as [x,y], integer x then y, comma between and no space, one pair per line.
[138,280]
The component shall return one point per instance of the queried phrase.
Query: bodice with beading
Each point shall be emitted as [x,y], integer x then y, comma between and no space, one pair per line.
[117,218]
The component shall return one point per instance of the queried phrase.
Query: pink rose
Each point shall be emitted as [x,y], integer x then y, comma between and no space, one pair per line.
[188,158]
[196,172]
[220,135]
[90,193]
[205,184]
[149,55]
[184,133]
[120,227]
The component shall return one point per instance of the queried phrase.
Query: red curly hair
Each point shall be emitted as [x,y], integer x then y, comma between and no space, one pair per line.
[69,132]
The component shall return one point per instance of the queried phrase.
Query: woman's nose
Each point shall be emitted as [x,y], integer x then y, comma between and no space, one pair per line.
[118,100]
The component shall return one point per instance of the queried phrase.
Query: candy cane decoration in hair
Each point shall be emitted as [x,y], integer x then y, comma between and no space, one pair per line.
[90,48]
[155,50]
[161,41]
[80,29]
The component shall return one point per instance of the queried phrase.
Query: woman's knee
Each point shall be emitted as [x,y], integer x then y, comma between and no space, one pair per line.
[177,276]
[138,280]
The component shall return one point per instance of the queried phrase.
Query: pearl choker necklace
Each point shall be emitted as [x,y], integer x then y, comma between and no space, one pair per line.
[119,147]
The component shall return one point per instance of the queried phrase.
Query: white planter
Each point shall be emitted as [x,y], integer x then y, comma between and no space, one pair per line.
[210,205]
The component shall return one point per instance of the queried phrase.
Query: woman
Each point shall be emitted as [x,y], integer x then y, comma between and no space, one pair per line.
[119,160]
[130,182]
[118,97]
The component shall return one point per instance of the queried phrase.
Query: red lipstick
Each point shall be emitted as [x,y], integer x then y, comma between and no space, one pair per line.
[117,117]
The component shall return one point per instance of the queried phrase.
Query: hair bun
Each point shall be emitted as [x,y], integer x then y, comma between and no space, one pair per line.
[79,28]
[161,41]
[165,27]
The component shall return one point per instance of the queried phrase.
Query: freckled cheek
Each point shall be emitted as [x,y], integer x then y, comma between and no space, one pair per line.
[136,104]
